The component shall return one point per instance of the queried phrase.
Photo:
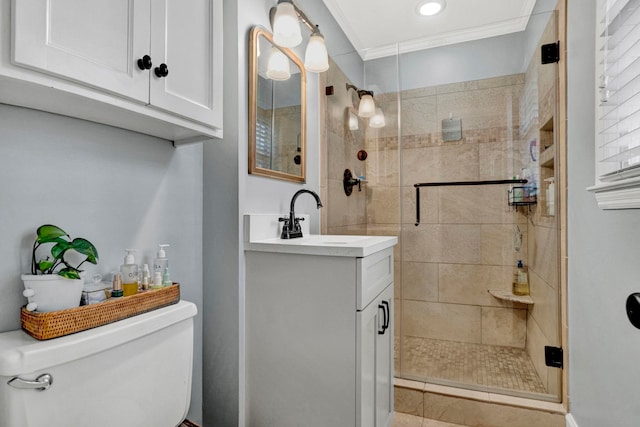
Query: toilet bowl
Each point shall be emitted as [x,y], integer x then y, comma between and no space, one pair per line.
[131,373]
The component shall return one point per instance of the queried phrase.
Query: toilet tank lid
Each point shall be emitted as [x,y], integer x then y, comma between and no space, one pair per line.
[20,353]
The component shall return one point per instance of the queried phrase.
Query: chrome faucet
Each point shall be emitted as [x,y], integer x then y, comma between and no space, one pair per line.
[291,228]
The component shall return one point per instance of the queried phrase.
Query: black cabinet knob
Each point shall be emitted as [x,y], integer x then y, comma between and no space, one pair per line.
[162,70]
[144,63]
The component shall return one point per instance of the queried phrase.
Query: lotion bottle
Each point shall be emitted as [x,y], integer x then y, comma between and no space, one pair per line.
[129,273]
[157,280]
[161,261]
[166,280]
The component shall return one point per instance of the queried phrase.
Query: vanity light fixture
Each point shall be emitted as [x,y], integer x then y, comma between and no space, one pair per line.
[278,65]
[367,107]
[377,120]
[430,7]
[286,33]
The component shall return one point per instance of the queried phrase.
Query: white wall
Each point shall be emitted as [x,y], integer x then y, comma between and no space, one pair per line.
[603,259]
[118,189]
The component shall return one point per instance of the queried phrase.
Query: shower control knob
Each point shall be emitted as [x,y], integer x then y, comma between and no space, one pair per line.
[162,70]
[145,63]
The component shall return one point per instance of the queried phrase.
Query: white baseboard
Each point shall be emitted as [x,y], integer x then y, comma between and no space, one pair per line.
[570,421]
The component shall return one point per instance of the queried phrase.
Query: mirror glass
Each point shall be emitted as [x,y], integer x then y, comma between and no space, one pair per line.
[277,87]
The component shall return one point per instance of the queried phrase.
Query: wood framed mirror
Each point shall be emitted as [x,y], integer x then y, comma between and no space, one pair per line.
[277,110]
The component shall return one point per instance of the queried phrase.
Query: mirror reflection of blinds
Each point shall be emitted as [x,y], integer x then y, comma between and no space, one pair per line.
[619,88]
[263,144]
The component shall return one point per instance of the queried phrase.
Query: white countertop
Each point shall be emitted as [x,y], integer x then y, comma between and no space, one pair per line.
[262,231]
[327,245]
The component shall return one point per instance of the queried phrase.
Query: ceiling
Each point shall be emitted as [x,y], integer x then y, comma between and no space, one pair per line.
[375,27]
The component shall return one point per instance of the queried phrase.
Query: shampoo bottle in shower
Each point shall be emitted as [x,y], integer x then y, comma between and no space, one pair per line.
[521,284]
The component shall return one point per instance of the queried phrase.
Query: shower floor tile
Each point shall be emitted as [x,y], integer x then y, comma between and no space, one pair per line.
[467,363]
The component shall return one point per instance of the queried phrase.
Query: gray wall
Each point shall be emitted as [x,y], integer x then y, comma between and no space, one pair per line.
[119,189]
[603,259]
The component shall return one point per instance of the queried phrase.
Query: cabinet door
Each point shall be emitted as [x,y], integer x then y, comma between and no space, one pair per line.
[186,36]
[374,351]
[368,325]
[385,363]
[94,42]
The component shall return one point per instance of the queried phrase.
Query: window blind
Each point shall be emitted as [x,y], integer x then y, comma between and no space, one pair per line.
[263,143]
[618,141]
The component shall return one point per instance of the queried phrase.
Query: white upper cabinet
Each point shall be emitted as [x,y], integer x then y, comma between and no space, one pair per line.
[181,38]
[95,42]
[158,59]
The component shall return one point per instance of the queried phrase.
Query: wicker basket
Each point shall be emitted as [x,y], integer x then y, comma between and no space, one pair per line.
[44,326]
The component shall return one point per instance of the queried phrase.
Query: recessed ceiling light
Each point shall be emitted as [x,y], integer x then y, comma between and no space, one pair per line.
[430,7]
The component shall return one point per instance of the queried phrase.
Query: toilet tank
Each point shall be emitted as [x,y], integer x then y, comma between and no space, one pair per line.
[131,373]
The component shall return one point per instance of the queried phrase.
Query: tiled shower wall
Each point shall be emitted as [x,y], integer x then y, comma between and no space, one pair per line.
[464,244]
[339,146]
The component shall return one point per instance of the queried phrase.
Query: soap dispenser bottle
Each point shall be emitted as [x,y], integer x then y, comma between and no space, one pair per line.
[129,273]
[161,261]
[521,284]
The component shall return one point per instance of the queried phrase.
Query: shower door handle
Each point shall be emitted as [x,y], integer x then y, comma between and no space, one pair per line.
[43,382]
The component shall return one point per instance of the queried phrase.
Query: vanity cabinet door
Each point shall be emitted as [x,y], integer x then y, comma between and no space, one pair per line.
[186,37]
[94,42]
[385,364]
[375,355]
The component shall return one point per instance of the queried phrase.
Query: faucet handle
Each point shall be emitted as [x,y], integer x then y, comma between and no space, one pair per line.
[298,219]
[284,219]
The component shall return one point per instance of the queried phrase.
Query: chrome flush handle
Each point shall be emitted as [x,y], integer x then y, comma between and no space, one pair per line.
[43,382]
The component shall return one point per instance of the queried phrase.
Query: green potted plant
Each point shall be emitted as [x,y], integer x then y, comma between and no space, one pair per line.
[55,281]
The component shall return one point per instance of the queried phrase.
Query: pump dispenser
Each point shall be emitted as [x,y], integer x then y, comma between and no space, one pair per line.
[129,272]
[161,262]
[521,284]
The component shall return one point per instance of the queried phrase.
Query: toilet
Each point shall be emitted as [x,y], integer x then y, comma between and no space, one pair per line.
[132,373]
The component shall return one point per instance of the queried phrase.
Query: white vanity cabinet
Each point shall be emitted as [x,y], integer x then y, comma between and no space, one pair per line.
[319,331]
[153,66]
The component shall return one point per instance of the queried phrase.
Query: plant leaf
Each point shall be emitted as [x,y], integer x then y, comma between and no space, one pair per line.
[69,273]
[45,264]
[58,250]
[85,247]
[49,233]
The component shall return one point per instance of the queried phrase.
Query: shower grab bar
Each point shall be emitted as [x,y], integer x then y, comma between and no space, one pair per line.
[457,183]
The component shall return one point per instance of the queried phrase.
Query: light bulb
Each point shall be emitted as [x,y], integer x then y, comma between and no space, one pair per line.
[430,7]
[377,120]
[353,121]
[278,65]
[367,107]
[286,28]
[316,58]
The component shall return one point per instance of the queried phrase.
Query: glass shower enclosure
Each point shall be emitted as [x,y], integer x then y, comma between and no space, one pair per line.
[475,114]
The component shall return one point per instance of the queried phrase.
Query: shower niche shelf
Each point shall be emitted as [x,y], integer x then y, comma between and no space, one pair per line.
[508,296]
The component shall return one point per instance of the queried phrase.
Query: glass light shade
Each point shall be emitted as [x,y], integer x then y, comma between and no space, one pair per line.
[377,120]
[367,107]
[286,28]
[316,58]
[353,121]
[278,65]
[431,7]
